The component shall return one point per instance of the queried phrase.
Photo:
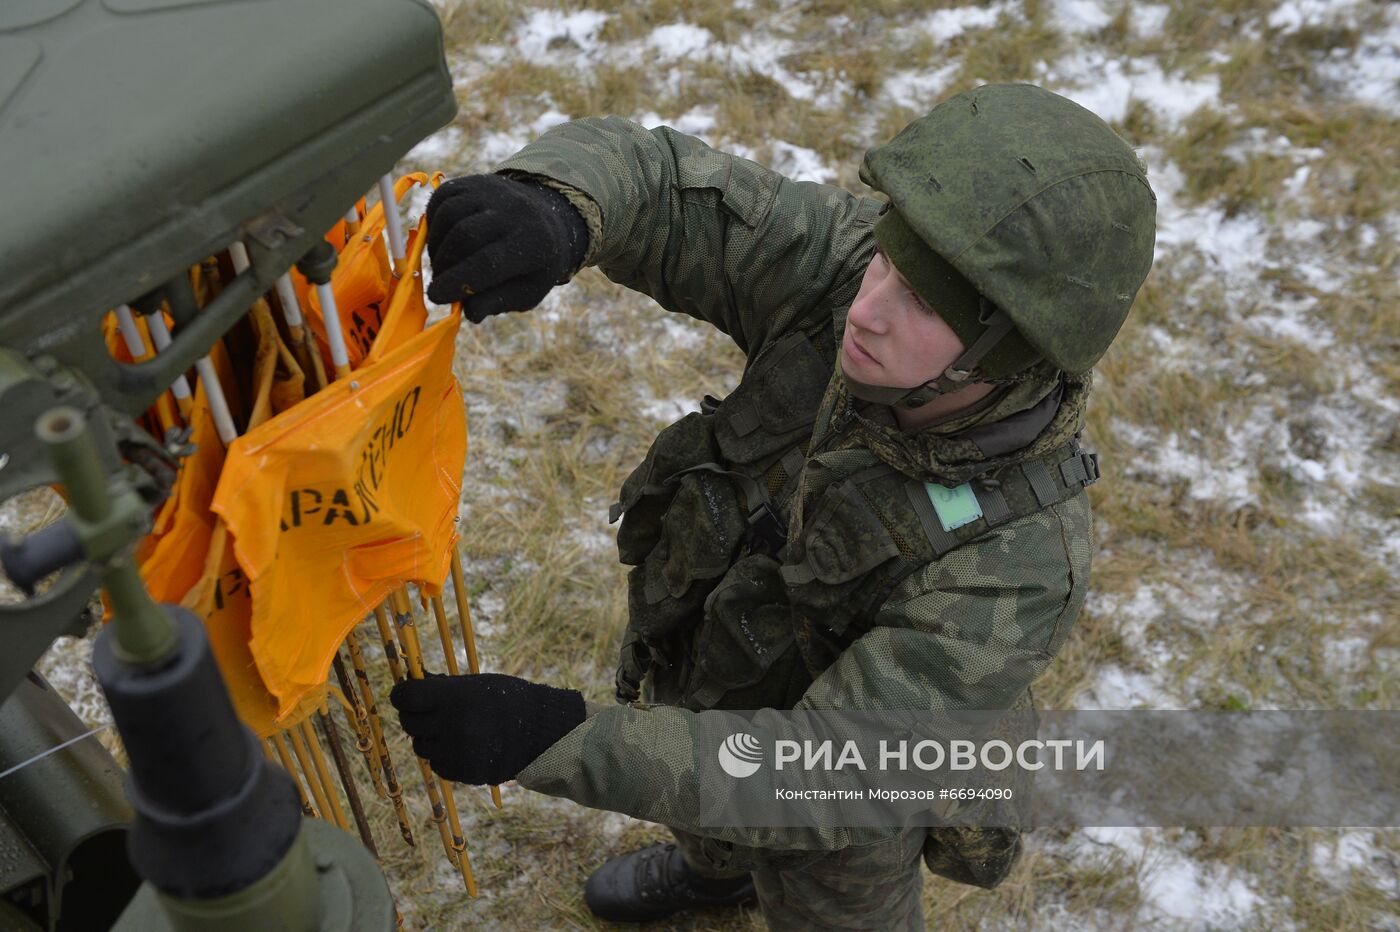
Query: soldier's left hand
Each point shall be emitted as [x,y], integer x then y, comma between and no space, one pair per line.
[484,728]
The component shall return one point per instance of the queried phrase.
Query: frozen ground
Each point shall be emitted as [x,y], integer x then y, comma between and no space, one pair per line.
[1253,392]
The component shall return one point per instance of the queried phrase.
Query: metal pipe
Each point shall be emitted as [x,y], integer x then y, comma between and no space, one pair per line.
[359,721]
[180,388]
[449,826]
[391,779]
[285,757]
[323,773]
[464,620]
[347,780]
[392,224]
[308,770]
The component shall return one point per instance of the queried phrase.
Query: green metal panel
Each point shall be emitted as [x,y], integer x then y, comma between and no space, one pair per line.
[350,894]
[139,136]
[53,806]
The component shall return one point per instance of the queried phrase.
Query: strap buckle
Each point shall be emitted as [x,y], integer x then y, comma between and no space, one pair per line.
[1091,467]
[767,527]
[1080,469]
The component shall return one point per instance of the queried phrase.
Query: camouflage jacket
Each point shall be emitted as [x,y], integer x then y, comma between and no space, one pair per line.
[775,263]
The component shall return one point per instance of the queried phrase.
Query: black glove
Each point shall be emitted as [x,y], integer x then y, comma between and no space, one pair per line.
[498,244]
[486,727]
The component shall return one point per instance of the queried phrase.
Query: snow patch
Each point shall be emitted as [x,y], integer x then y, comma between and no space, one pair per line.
[1080,16]
[1108,86]
[1292,15]
[440,147]
[666,410]
[764,55]
[1115,688]
[545,30]
[1148,19]
[679,40]
[947,25]
[920,89]
[1356,852]
[1174,886]
[800,164]
[1371,73]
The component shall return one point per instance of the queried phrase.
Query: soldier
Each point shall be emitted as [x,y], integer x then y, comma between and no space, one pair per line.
[790,544]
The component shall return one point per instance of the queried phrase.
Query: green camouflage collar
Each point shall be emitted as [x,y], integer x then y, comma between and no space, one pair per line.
[957,450]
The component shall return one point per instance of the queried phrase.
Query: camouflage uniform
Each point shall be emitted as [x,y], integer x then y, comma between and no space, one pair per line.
[784,551]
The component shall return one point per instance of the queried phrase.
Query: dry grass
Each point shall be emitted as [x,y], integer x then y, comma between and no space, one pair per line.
[1249,596]
[564,401]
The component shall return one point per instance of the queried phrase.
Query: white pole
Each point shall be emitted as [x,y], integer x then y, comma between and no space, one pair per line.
[218,404]
[135,345]
[239,254]
[340,358]
[291,308]
[391,222]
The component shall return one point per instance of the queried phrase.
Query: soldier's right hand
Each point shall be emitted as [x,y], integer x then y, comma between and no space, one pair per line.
[498,244]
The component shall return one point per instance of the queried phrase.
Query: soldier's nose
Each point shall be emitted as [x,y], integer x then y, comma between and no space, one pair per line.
[865,314]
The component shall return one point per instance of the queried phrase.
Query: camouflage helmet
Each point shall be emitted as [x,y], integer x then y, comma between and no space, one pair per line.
[1037,205]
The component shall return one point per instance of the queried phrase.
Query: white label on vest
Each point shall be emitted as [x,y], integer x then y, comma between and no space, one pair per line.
[955,507]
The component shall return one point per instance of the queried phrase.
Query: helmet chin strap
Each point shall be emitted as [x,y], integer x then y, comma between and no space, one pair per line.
[958,375]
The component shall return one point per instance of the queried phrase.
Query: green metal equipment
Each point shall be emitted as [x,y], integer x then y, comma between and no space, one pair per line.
[139,137]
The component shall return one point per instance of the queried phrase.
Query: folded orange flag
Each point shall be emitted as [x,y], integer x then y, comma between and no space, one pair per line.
[343,498]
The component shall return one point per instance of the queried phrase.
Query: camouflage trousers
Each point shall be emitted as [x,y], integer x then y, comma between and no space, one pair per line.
[871,887]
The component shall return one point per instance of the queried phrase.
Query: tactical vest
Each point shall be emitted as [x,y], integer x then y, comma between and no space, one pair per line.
[728,606]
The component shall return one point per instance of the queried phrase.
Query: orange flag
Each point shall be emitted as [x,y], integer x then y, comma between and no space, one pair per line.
[362,282]
[341,499]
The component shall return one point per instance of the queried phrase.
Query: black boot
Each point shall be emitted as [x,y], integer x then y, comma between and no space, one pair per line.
[654,883]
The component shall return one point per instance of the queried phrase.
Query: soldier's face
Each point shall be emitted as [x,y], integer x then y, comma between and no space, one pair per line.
[893,338]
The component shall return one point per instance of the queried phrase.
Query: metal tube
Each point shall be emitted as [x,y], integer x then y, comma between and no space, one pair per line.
[323,773]
[352,222]
[285,757]
[391,780]
[63,430]
[308,770]
[287,295]
[342,767]
[392,224]
[445,635]
[303,347]
[464,620]
[359,721]
[131,334]
[144,633]
[218,404]
[239,254]
[449,825]
[330,316]
[160,336]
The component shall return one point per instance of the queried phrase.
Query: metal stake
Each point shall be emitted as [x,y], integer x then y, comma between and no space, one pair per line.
[359,721]
[392,224]
[464,619]
[391,779]
[444,805]
[342,766]
[285,757]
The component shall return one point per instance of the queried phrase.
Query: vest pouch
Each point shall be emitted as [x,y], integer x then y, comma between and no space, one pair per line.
[647,492]
[983,853]
[744,651]
[701,531]
[775,405]
[981,857]
[844,541]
